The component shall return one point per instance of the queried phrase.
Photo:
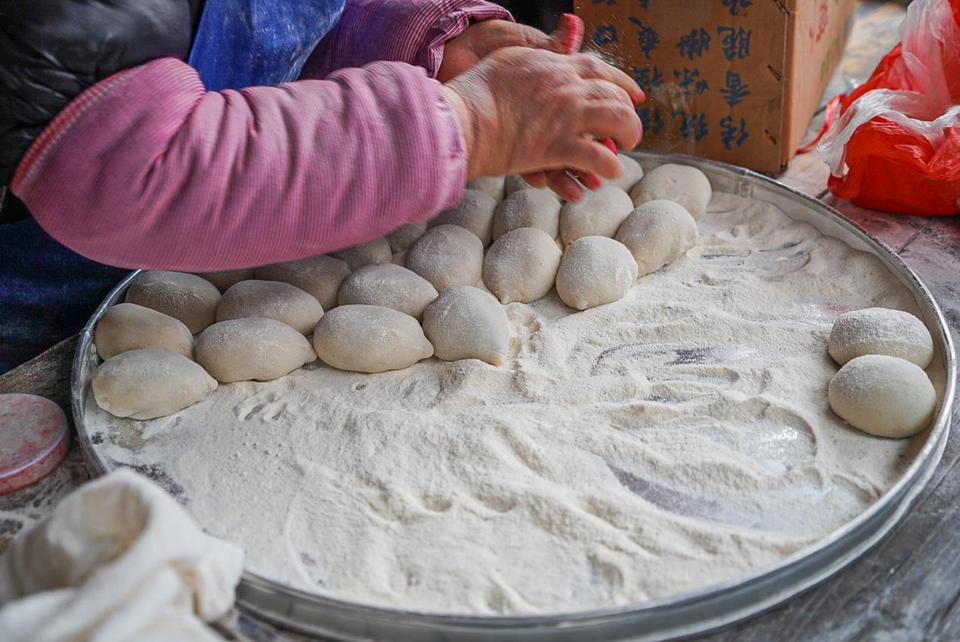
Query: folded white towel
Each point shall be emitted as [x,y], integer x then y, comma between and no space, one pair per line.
[118,560]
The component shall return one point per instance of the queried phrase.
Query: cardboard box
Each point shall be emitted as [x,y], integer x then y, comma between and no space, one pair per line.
[732,80]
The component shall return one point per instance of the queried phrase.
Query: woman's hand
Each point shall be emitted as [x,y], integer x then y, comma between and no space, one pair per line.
[531,111]
[480,39]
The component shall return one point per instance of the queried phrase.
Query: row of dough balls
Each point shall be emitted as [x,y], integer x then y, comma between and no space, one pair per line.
[254,324]
[882,387]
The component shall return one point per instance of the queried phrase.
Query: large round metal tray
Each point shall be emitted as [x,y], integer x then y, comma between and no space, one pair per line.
[710,608]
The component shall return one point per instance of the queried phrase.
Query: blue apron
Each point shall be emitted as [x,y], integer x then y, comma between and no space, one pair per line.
[47,292]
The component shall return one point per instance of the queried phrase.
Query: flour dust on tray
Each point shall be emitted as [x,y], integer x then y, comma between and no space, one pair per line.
[676,438]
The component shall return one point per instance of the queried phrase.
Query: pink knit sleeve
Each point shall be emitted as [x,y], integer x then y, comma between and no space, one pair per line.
[411,31]
[146,169]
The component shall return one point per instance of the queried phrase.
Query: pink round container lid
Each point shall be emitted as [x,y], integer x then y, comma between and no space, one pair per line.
[33,440]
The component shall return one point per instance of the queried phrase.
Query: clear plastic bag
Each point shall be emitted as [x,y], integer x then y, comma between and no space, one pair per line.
[896,145]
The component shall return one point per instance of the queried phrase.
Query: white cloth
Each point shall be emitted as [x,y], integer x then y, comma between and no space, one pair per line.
[118,560]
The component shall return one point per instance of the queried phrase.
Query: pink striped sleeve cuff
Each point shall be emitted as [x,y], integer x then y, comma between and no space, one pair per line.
[411,31]
[147,169]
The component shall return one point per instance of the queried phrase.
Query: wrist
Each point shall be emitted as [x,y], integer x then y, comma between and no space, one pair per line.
[467,126]
[456,58]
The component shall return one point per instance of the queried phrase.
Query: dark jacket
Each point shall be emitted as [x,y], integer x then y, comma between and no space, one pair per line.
[52,50]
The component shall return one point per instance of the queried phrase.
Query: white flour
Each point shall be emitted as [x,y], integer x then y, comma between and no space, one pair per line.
[672,440]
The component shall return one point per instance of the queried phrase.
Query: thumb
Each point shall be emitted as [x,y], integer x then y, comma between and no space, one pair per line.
[568,36]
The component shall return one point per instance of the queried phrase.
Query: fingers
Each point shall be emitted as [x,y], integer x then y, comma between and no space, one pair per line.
[535,179]
[562,183]
[589,180]
[568,37]
[604,90]
[612,120]
[564,186]
[609,113]
[524,36]
[592,67]
[586,155]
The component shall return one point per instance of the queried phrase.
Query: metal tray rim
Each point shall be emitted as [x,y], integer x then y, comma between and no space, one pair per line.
[888,509]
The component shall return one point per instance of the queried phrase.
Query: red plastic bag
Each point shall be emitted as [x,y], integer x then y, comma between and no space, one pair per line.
[896,145]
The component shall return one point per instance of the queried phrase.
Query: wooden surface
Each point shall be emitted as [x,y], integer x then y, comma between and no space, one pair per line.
[907,588]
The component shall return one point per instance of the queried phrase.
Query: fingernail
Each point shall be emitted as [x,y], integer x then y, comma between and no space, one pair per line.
[572,28]
[610,145]
[642,97]
[592,181]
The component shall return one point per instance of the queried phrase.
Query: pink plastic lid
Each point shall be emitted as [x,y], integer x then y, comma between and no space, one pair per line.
[33,440]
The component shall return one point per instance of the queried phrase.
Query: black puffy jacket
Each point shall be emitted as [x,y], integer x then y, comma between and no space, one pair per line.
[52,50]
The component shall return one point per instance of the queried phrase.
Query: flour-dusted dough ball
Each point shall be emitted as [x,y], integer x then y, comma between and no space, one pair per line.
[522,265]
[681,184]
[467,323]
[594,271]
[403,238]
[884,396]
[447,255]
[318,276]
[598,213]
[224,279]
[632,173]
[494,186]
[186,297]
[474,212]
[527,208]
[658,233]
[389,286]
[128,326]
[514,183]
[271,300]
[149,383]
[880,331]
[370,338]
[252,349]
[373,252]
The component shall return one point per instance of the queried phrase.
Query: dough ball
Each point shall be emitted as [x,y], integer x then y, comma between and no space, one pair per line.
[400,258]
[522,265]
[370,338]
[494,186]
[598,213]
[403,238]
[474,212]
[389,286]
[149,383]
[224,279]
[632,173]
[271,300]
[681,184]
[880,331]
[186,297]
[373,252]
[515,183]
[447,255]
[884,396]
[527,208]
[128,326]
[594,271]
[252,349]
[318,276]
[467,323]
[658,233]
